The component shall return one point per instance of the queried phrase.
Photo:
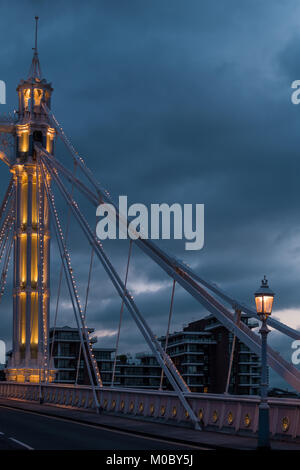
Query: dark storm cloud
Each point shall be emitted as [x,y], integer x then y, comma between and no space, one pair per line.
[173,101]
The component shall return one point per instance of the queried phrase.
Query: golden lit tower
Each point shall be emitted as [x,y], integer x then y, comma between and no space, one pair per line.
[30,355]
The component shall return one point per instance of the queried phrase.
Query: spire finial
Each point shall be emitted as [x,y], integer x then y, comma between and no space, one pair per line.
[36,33]
[35,69]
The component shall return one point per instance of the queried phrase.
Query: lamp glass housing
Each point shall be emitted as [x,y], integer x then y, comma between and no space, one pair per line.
[264,298]
[264,304]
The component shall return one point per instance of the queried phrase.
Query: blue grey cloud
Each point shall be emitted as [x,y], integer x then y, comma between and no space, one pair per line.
[175,102]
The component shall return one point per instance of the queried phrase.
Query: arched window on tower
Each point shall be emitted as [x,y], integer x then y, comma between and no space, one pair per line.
[38,94]
[27,96]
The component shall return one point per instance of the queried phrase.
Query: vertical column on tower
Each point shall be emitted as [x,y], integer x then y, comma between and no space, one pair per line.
[21,265]
[29,172]
[17,328]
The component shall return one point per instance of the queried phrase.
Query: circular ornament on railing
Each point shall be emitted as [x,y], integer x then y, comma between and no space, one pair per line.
[247,420]
[230,418]
[200,414]
[215,416]
[141,407]
[174,411]
[152,409]
[113,405]
[105,404]
[162,410]
[131,406]
[285,423]
[122,405]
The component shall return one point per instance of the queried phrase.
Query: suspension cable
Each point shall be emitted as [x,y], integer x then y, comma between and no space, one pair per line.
[3,278]
[71,148]
[67,269]
[171,265]
[61,271]
[7,220]
[7,196]
[121,315]
[164,360]
[7,224]
[168,330]
[161,257]
[69,175]
[41,281]
[151,339]
[72,289]
[84,311]
[238,319]
[5,234]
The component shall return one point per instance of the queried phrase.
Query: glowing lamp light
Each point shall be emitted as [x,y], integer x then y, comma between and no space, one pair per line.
[264,299]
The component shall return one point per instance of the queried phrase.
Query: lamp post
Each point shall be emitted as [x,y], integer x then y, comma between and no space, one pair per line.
[264,302]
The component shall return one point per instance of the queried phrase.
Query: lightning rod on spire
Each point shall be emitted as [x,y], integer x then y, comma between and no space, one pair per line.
[35,69]
[36,32]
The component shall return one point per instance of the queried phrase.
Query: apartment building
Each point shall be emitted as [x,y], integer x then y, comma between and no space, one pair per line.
[66,348]
[201,352]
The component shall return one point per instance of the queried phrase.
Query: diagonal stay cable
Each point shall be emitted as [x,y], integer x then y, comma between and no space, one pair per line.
[103,193]
[124,293]
[163,359]
[7,219]
[167,358]
[172,265]
[3,277]
[7,196]
[70,282]
[6,231]
[61,273]
[121,316]
[65,256]
[168,330]
[84,310]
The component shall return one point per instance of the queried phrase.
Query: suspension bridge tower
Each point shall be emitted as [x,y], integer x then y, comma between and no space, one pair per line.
[29,361]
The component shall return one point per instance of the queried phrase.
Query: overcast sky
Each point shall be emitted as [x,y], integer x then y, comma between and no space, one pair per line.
[174,101]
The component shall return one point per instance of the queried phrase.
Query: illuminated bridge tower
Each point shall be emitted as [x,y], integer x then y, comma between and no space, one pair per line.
[30,355]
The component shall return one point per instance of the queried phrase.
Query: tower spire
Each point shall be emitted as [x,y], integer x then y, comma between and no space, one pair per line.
[35,68]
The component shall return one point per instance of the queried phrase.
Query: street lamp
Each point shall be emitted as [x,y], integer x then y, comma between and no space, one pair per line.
[264,302]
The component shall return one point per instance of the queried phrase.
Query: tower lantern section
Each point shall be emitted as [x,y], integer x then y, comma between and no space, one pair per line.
[33,125]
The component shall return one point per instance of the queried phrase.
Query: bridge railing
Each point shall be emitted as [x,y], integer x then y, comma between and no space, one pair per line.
[223,413]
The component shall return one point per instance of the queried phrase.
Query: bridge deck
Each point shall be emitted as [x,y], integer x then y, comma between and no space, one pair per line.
[179,436]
